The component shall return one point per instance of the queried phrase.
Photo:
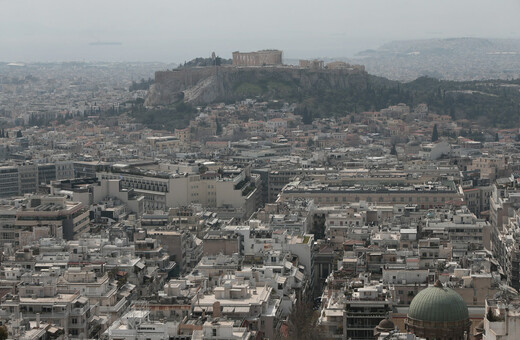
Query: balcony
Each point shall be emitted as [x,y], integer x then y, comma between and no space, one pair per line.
[496,327]
[80,310]
[78,324]
[113,309]
[45,316]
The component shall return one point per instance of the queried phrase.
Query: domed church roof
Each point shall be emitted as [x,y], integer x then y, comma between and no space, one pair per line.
[386,325]
[438,304]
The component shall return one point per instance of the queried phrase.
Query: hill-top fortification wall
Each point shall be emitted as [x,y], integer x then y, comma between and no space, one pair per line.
[204,85]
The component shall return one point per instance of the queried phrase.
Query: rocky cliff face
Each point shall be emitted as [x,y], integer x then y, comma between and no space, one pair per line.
[211,84]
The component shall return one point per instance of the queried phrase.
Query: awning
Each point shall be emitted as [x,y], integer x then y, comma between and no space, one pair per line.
[228,309]
[241,309]
[82,300]
[200,309]
[125,293]
[53,330]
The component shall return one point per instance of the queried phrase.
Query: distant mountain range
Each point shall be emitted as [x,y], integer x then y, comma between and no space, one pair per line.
[450,59]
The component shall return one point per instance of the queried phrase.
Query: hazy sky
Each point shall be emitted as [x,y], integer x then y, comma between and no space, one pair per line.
[179,30]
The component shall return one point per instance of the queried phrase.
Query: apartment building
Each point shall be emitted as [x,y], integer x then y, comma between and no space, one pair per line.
[354,312]
[9,181]
[502,320]
[427,196]
[462,229]
[221,329]
[504,219]
[136,324]
[489,166]
[99,290]
[8,232]
[90,191]
[364,310]
[39,299]
[41,216]
[477,199]
[237,300]
[20,179]
[182,246]
[60,216]
[17,180]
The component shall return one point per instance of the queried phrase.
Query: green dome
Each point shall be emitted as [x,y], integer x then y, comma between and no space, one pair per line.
[438,304]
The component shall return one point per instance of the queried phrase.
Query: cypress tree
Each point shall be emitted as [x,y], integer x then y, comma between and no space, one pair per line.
[393,150]
[435,134]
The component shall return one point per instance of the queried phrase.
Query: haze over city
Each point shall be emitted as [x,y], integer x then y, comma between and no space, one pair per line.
[244,170]
[175,31]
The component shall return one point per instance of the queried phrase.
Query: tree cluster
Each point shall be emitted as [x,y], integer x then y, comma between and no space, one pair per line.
[198,62]
[175,116]
[303,321]
[492,103]
[142,85]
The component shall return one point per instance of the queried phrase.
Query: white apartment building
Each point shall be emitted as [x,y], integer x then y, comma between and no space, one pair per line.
[233,188]
[221,330]
[136,325]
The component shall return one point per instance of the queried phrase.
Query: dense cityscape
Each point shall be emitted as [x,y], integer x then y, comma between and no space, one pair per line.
[247,219]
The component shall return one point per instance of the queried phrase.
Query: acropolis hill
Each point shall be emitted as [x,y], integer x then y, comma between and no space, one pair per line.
[203,85]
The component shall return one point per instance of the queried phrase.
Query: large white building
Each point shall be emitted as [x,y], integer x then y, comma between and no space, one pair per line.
[227,188]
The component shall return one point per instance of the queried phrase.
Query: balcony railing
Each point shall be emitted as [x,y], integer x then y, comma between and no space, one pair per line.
[113,309]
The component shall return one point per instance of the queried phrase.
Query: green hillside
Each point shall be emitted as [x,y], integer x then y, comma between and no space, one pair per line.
[489,103]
